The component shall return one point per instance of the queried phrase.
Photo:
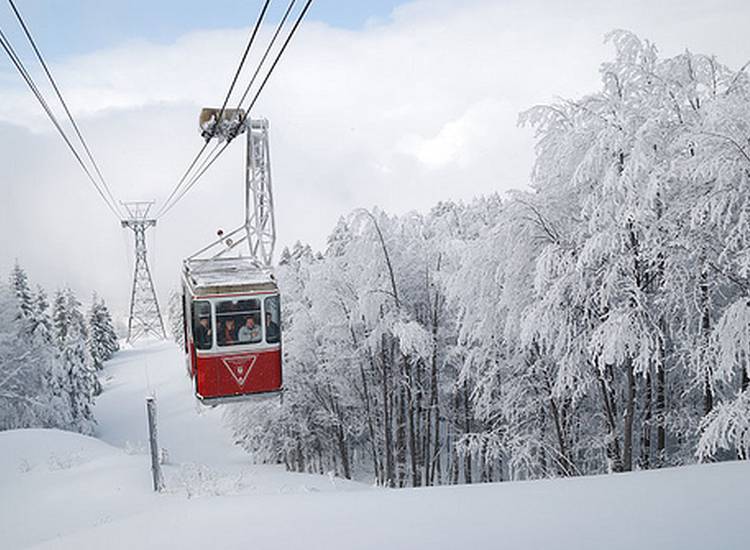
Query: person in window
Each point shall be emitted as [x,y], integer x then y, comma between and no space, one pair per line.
[203,333]
[249,332]
[272,329]
[227,336]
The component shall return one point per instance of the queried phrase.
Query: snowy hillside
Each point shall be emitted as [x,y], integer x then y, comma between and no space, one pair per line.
[64,490]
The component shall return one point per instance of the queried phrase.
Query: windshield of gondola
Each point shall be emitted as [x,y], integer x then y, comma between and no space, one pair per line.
[238,322]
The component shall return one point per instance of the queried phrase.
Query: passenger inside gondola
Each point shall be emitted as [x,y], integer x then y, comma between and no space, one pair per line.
[250,331]
[203,333]
[227,336]
[243,317]
[273,333]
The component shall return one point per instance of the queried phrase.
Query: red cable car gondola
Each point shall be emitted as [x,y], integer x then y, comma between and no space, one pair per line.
[231,309]
[233,335]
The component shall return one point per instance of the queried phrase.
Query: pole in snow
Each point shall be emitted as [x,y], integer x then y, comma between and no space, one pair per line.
[155,465]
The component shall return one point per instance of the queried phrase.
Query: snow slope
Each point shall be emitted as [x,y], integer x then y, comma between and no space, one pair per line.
[63,490]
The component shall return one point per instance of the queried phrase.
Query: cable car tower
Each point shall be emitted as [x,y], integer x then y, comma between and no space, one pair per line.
[145,316]
[232,307]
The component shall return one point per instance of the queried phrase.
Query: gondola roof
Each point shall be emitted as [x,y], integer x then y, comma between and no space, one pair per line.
[227,276]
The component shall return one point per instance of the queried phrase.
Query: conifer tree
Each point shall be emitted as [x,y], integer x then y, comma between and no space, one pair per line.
[102,338]
[41,325]
[20,283]
[76,382]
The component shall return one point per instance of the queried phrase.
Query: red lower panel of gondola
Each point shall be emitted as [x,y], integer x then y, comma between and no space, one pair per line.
[246,373]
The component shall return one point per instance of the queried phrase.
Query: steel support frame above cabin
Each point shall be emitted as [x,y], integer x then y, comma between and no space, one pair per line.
[259,229]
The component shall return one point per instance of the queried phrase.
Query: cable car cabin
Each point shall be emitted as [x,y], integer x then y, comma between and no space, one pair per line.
[232,323]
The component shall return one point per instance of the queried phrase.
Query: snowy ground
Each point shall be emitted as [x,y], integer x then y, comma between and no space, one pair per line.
[62,490]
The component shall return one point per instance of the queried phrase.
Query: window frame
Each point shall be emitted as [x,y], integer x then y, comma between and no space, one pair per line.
[193,305]
[214,301]
[221,300]
[277,297]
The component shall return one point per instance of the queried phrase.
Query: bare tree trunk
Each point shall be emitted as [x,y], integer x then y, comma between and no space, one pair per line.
[467,429]
[300,457]
[565,468]
[627,431]
[661,411]
[343,451]
[453,451]
[646,433]
[411,428]
[389,477]
[370,426]
[426,445]
[708,395]
[610,414]
[565,464]
[400,435]
[436,475]
[434,453]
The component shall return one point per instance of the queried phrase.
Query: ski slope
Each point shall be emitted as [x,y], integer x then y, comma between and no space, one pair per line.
[64,490]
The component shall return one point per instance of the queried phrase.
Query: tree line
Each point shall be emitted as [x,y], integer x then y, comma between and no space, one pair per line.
[599,322]
[50,356]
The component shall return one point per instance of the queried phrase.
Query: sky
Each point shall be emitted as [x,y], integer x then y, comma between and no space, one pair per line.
[382,103]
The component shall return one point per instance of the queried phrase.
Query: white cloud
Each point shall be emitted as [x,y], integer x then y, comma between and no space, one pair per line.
[470,137]
[400,114]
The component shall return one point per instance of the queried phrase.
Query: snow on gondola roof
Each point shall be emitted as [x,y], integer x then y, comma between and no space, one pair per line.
[227,275]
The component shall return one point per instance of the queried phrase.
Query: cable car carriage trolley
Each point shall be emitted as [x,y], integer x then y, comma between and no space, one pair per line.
[231,307]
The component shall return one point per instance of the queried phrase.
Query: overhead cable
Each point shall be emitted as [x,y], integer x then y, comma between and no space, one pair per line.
[6,45]
[64,104]
[166,205]
[207,165]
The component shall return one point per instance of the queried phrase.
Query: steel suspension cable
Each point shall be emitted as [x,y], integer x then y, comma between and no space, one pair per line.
[6,45]
[176,188]
[265,54]
[258,22]
[251,40]
[63,102]
[297,23]
[199,174]
[205,165]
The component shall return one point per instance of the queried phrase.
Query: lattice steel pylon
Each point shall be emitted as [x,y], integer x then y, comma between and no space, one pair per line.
[145,315]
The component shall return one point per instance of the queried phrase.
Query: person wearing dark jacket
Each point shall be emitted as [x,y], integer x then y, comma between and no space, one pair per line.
[203,333]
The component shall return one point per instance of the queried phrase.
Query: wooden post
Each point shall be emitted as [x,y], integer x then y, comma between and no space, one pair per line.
[155,465]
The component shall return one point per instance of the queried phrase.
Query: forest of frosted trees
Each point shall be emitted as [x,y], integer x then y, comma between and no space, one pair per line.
[50,355]
[598,322]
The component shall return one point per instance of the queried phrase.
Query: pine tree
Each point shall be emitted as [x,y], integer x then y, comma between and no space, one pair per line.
[76,382]
[20,283]
[60,318]
[41,325]
[28,361]
[102,338]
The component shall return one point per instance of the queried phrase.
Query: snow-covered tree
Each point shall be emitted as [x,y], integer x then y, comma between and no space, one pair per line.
[103,342]
[596,323]
[20,283]
[28,359]
[21,399]
[75,382]
[175,317]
